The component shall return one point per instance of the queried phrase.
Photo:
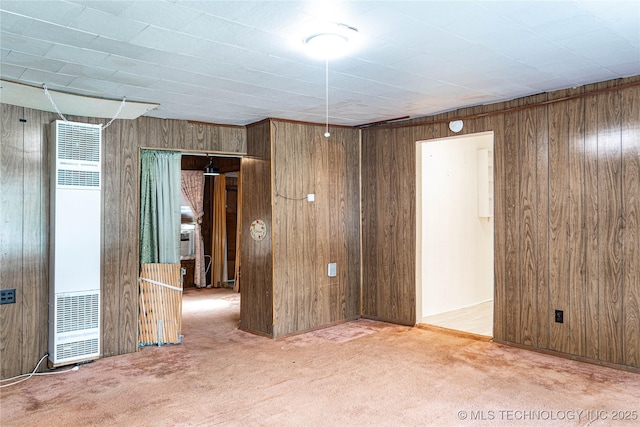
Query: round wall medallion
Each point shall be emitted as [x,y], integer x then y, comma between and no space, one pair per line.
[258,230]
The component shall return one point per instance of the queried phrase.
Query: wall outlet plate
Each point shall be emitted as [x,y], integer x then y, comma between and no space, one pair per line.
[311,197]
[332,269]
[7,296]
[559,316]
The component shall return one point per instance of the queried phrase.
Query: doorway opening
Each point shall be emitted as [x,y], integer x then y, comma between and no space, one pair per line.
[229,167]
[188,238]
[455,228]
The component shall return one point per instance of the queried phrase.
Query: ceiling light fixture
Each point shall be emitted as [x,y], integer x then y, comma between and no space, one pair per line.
[210,169]
[329,45]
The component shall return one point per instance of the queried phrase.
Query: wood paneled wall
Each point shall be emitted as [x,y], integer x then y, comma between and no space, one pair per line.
[256,258]
[307,236]
[24,223]
[284,283]
[567,207]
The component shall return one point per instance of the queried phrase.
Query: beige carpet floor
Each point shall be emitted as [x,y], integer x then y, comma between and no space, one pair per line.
[361,373]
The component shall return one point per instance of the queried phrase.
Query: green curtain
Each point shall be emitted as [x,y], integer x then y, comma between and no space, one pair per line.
[160,206]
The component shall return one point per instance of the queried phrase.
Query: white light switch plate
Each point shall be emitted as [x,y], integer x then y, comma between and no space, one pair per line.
[311,197]
[331,270]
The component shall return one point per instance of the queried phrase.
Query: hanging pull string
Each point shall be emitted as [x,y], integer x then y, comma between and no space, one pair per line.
[115,116]
[46,92]
[326,97]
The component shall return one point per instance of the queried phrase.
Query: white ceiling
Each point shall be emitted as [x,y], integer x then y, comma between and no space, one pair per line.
[237,62]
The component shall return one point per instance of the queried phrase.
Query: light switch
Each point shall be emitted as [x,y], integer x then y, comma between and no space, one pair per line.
[311,197]
[331,270]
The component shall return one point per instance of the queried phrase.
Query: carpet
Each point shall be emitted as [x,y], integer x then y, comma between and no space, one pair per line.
[359,373]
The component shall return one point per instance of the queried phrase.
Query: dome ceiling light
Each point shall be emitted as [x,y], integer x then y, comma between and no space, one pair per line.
[329,45]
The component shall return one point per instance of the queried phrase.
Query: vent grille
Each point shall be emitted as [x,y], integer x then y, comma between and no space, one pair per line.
[77,312]
[78,178]
[77,349]
[78,142]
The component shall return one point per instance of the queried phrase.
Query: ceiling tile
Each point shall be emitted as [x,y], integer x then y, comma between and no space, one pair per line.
[79,70]
[24,44]
[33,61]
[225,61]
[11,72]
[61,13]
[98,22]
[58,34]
[164,14]
[12,23]
[52,80]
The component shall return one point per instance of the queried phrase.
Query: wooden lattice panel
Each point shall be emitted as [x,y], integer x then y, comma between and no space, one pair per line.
[159,306]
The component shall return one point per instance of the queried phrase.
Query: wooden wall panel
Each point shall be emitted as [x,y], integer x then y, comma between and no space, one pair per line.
[403,229]
[558,224]
[566,227]
[35,256]
[528,272]
[542,220]
[133,132]
[610,228]
[11,238]
[631,239]
[388,224]
[24,222]
[500,309]
[370,145]
[512,327]
[592,246]
[576,223]
[110,286]
[256,258]
[307,236]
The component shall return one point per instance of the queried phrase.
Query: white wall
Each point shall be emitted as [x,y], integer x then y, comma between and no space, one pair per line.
[455,246]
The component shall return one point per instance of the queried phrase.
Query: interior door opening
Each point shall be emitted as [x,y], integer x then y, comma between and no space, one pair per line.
[454,215]
[220,268]
[198,212]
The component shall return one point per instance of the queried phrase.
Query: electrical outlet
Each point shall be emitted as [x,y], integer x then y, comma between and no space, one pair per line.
[331,269]
[559,316]
[7,296]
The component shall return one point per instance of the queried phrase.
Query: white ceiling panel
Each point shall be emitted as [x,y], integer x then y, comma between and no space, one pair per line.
[12,72]
[53,80]
[107,25]
[57,34]
[12,23]
[164,14]
[61,13]
[24,44]
[93,86]
[34,61]
[76,55]
[109,6]
[87,71]
[120,48]
[240,61]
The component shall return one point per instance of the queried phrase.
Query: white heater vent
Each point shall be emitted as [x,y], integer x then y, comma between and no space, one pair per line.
[77,349]
[76,223]
[77,312]
[78,178]
[78,142]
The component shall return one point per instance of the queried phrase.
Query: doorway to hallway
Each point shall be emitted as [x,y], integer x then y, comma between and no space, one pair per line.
[454,270]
